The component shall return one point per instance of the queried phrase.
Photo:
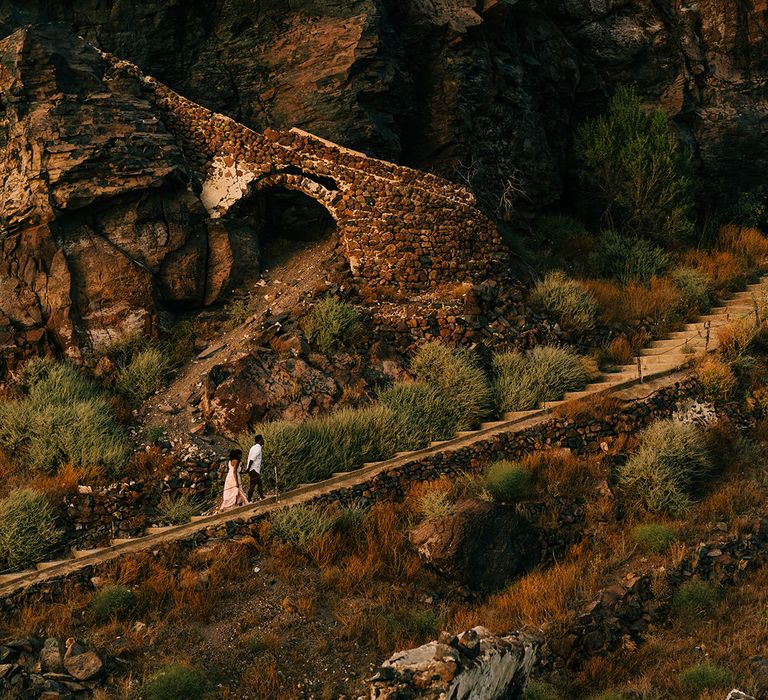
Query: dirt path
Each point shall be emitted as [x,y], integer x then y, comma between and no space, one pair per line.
[292,274]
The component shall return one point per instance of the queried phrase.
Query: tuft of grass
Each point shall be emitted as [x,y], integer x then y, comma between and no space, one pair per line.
[176,511]
[238,312]
[142,376]
[653,538]
[671,459]
[540,690]
[694,286]
[706,676]
[694,598]
[609,695]
[63,418]
[460,382]
[746,243]
[716,379]
[176,682]
[331,323]
[433,500]
[111,602]
[28,531]
[153,434]
[508,481]
[628,258]
[299,525]
[523,381]
[567,300]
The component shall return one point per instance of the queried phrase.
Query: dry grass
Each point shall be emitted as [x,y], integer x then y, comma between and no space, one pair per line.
[590,407]
[620,351]
[724,269]
[746,243]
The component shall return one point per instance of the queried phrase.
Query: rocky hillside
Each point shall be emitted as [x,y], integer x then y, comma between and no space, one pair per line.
[487,92]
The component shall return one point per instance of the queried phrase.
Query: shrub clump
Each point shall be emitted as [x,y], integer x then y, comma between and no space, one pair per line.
[694,598]
[628,258]
[63,418]
[653,538]
[716,379]
[508,481]
[299,525]
[545,373]
[420,414]
[671,459]
[28,531]
[176,682]
[111,601]
[700,677]
[694,286]
[540,690]
[142,375]
[567,300]
[176,511]
[331,323]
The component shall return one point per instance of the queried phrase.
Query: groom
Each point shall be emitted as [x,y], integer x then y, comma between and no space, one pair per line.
[253,467]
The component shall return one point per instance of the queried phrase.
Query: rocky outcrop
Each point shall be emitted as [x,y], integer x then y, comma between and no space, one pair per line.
[483,91]
[480,544]
[122,199]
[474,665]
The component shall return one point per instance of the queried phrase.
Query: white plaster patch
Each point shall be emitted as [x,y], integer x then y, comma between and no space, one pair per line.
[226,186]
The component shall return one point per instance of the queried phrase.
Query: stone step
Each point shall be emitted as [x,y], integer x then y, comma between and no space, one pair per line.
[670,350]
[519,415]
[465,433]
[369,464]
[43,565]
[492,424]
[576,395]
[701,325]
[679,338]
[16,576]
[80,553]
[553,404]
[156,530]
[408,452]
[198,518]
[124,540]
[437,443]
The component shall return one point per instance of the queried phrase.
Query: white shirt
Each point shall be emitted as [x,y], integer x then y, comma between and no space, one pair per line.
[254,459]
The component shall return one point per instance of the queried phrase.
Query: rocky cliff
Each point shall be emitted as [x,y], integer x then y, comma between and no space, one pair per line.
[486,91]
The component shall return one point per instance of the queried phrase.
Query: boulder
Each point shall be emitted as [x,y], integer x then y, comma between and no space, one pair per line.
[51,658]
[483,545]
[80,664]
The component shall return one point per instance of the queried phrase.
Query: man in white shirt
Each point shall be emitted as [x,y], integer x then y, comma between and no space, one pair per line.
[253,467]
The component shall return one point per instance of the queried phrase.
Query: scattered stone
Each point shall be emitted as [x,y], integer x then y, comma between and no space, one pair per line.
[738,695]
[51,658]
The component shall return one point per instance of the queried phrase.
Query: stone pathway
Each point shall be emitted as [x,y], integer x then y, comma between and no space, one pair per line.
[660,364]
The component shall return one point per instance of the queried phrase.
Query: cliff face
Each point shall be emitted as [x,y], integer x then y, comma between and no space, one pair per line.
[486,92]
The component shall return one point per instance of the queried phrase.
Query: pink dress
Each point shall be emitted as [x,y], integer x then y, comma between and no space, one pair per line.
[233,494]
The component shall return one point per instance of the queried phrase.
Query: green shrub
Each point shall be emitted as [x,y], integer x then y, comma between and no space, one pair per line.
[694,598]
[153,434]
[176,511]
[751,209]
[706,676]
[301,524]
[142,376]
[28,531]
[331,323]
[716,379]
[460,382]
[523,381]
[671,459]
[694,285]
[313,450]
[628,258]
[110,602]
[609,695]
[176,682]
[508,481]
[407,623]
[539,690]
[62,419]
[567,300]
[420,413]
[643,179]
[653,538]
[238,312]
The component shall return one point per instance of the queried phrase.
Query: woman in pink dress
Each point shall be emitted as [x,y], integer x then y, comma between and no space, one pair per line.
[233,493]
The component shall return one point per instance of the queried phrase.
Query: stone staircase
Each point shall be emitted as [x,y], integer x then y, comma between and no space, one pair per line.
[660,359]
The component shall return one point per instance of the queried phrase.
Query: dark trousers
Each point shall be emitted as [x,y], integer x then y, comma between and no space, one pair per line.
[255,483]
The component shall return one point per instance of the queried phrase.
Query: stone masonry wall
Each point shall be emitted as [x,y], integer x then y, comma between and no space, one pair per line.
[396,225]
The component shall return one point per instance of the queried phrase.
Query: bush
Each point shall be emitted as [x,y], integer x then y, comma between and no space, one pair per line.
[694,598]
[62,419]
[539,690]
[461,384]
[111,602]
[434,503]
[142,376]
[313,450]
[609,695]
[415,625]
[331,323]
[28,531]
[671,459]
[628,258]
[560,241]
[700,677]
[751,209]
[508,481]
[653,538]
[176,511]
[153,434]
[176,682]
[716,379]
[748,244]
[644,180]
[567,300]
[522,382]
[694,288]
[299,525]
[420,414]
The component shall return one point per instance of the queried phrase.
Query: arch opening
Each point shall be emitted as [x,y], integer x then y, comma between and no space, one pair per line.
[285,221]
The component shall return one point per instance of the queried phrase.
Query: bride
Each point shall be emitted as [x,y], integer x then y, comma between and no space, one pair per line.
[233,492]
